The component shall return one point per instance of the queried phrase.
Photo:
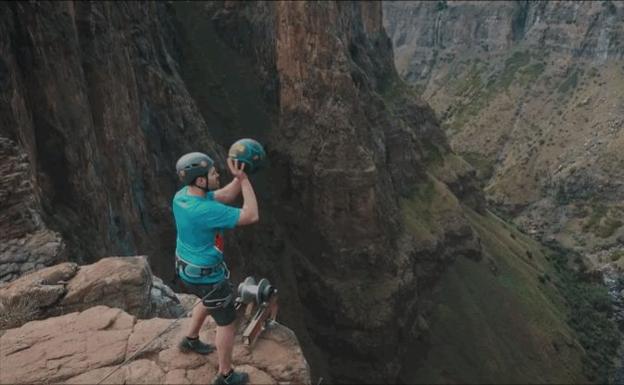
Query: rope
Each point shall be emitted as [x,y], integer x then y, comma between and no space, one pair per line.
[146,345]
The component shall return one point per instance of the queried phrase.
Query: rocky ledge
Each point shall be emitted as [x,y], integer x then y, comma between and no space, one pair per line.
[122,282]
[82,324]
[85,347]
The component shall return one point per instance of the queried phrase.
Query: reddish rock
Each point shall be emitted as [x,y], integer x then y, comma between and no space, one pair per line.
[30,297]
[86,347]
[104,97]
[122,282]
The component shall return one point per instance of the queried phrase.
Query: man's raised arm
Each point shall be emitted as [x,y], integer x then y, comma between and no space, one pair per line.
[249,212]
[229,192]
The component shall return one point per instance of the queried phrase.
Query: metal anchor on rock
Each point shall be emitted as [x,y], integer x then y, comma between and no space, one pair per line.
[263,297]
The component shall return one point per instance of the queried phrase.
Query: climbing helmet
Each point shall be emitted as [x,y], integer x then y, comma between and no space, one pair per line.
[193,165]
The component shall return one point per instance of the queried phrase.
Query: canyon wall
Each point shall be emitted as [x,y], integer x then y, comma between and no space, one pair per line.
[364,206]
[530,94]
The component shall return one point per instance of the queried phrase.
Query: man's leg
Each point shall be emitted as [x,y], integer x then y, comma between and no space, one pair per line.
[200,312]
[225,345]
[225,317]
[191,342]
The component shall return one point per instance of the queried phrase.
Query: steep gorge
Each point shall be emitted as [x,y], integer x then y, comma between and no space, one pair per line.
[96,99]
[365,208]
[530,94]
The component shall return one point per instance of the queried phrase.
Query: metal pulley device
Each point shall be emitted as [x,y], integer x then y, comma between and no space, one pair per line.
[262,296]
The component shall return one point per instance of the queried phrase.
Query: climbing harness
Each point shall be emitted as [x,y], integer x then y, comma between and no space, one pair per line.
[196,271]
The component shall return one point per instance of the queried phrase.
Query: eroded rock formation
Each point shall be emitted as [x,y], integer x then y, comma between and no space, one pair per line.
[94,320]
[346,144]
[87,347]
[26,243]
[98,110]
[122,282]
[99,104]
[529,93]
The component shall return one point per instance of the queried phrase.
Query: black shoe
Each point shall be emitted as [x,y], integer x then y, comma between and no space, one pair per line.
[234,378]
[189,345]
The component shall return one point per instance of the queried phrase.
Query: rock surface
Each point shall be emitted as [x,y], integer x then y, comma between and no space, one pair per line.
[26,243]
[363,193]
[346,146]
[93,99]
[122,282]
[530,94]
[104,97]
[165,303]
[86,347]
[347,142]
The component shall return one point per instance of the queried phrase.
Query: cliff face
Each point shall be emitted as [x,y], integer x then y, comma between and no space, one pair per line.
[530,93]
[27,243]
[96,97]
[344,144]
[363,206]
[95,102]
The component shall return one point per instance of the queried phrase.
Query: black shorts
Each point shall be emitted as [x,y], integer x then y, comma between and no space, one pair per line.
[223,316]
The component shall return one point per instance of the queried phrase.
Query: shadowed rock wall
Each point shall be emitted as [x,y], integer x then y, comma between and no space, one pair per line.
[104,97]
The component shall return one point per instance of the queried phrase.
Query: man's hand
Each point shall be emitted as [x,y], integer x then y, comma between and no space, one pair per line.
[237,169]
[229,193]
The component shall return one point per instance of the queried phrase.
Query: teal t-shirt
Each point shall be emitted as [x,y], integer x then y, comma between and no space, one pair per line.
[199,223]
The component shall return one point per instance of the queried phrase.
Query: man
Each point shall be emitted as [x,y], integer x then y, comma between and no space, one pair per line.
[201,214]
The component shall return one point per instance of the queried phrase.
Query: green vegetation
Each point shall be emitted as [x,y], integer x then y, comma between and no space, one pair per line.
[395,91]
[530,73]
[570,82]
[432,154]
[609,227]
[598,212]
[470,86]
[479,92]
[589,313]
[430,200]
[593,72]
[516,61]
[441,5]
[544,278]
[561,197]
[483,165]
[521,314]
[600,222]
[499,325]
[471,82]
[617,255]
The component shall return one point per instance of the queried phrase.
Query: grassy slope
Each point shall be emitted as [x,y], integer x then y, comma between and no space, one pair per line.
[527,115]
[504,326]
[494,320]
